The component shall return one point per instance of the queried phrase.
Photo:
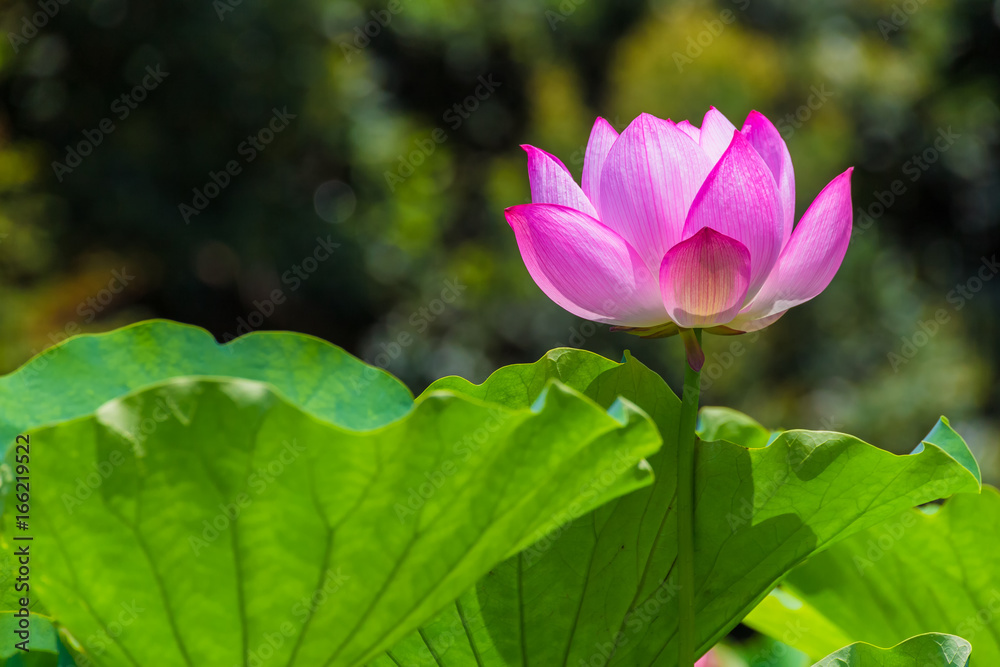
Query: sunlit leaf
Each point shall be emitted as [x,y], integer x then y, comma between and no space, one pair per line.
[42,641]
[603,589]
[76,377]
[213,521]
[931,650]
[931,570]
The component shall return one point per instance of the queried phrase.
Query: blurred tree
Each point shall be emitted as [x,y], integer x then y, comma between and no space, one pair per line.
[374,216]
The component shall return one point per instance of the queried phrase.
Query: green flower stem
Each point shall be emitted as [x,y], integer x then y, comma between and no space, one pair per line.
[685,510]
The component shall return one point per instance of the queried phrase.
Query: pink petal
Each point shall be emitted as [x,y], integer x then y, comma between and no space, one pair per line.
[708,660]
[716,134]
[551,182]
[602,137]
[585,267]
[746,323]
[650,178]
[690,130]
[767,141]
[813,253]
[704,279]
[739,199]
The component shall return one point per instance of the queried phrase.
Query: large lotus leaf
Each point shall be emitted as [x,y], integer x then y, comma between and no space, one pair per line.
[930,650]
[213,521]
[77,376]
[42,642]
[602,590]
[715,423]
[930,570]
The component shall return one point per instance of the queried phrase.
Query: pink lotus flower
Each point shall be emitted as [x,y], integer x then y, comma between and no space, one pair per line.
[677,228]
[708,660]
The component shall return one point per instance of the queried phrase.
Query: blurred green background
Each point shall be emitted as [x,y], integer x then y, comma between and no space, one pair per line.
[379,161]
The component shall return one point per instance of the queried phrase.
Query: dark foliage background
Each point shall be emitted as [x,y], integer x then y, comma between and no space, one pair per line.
[864,83]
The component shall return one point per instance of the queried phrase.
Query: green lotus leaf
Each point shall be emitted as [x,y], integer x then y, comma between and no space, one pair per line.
[602,590]
[213,520]
[930,650]
[42,641]
[82,373]
[935,569]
